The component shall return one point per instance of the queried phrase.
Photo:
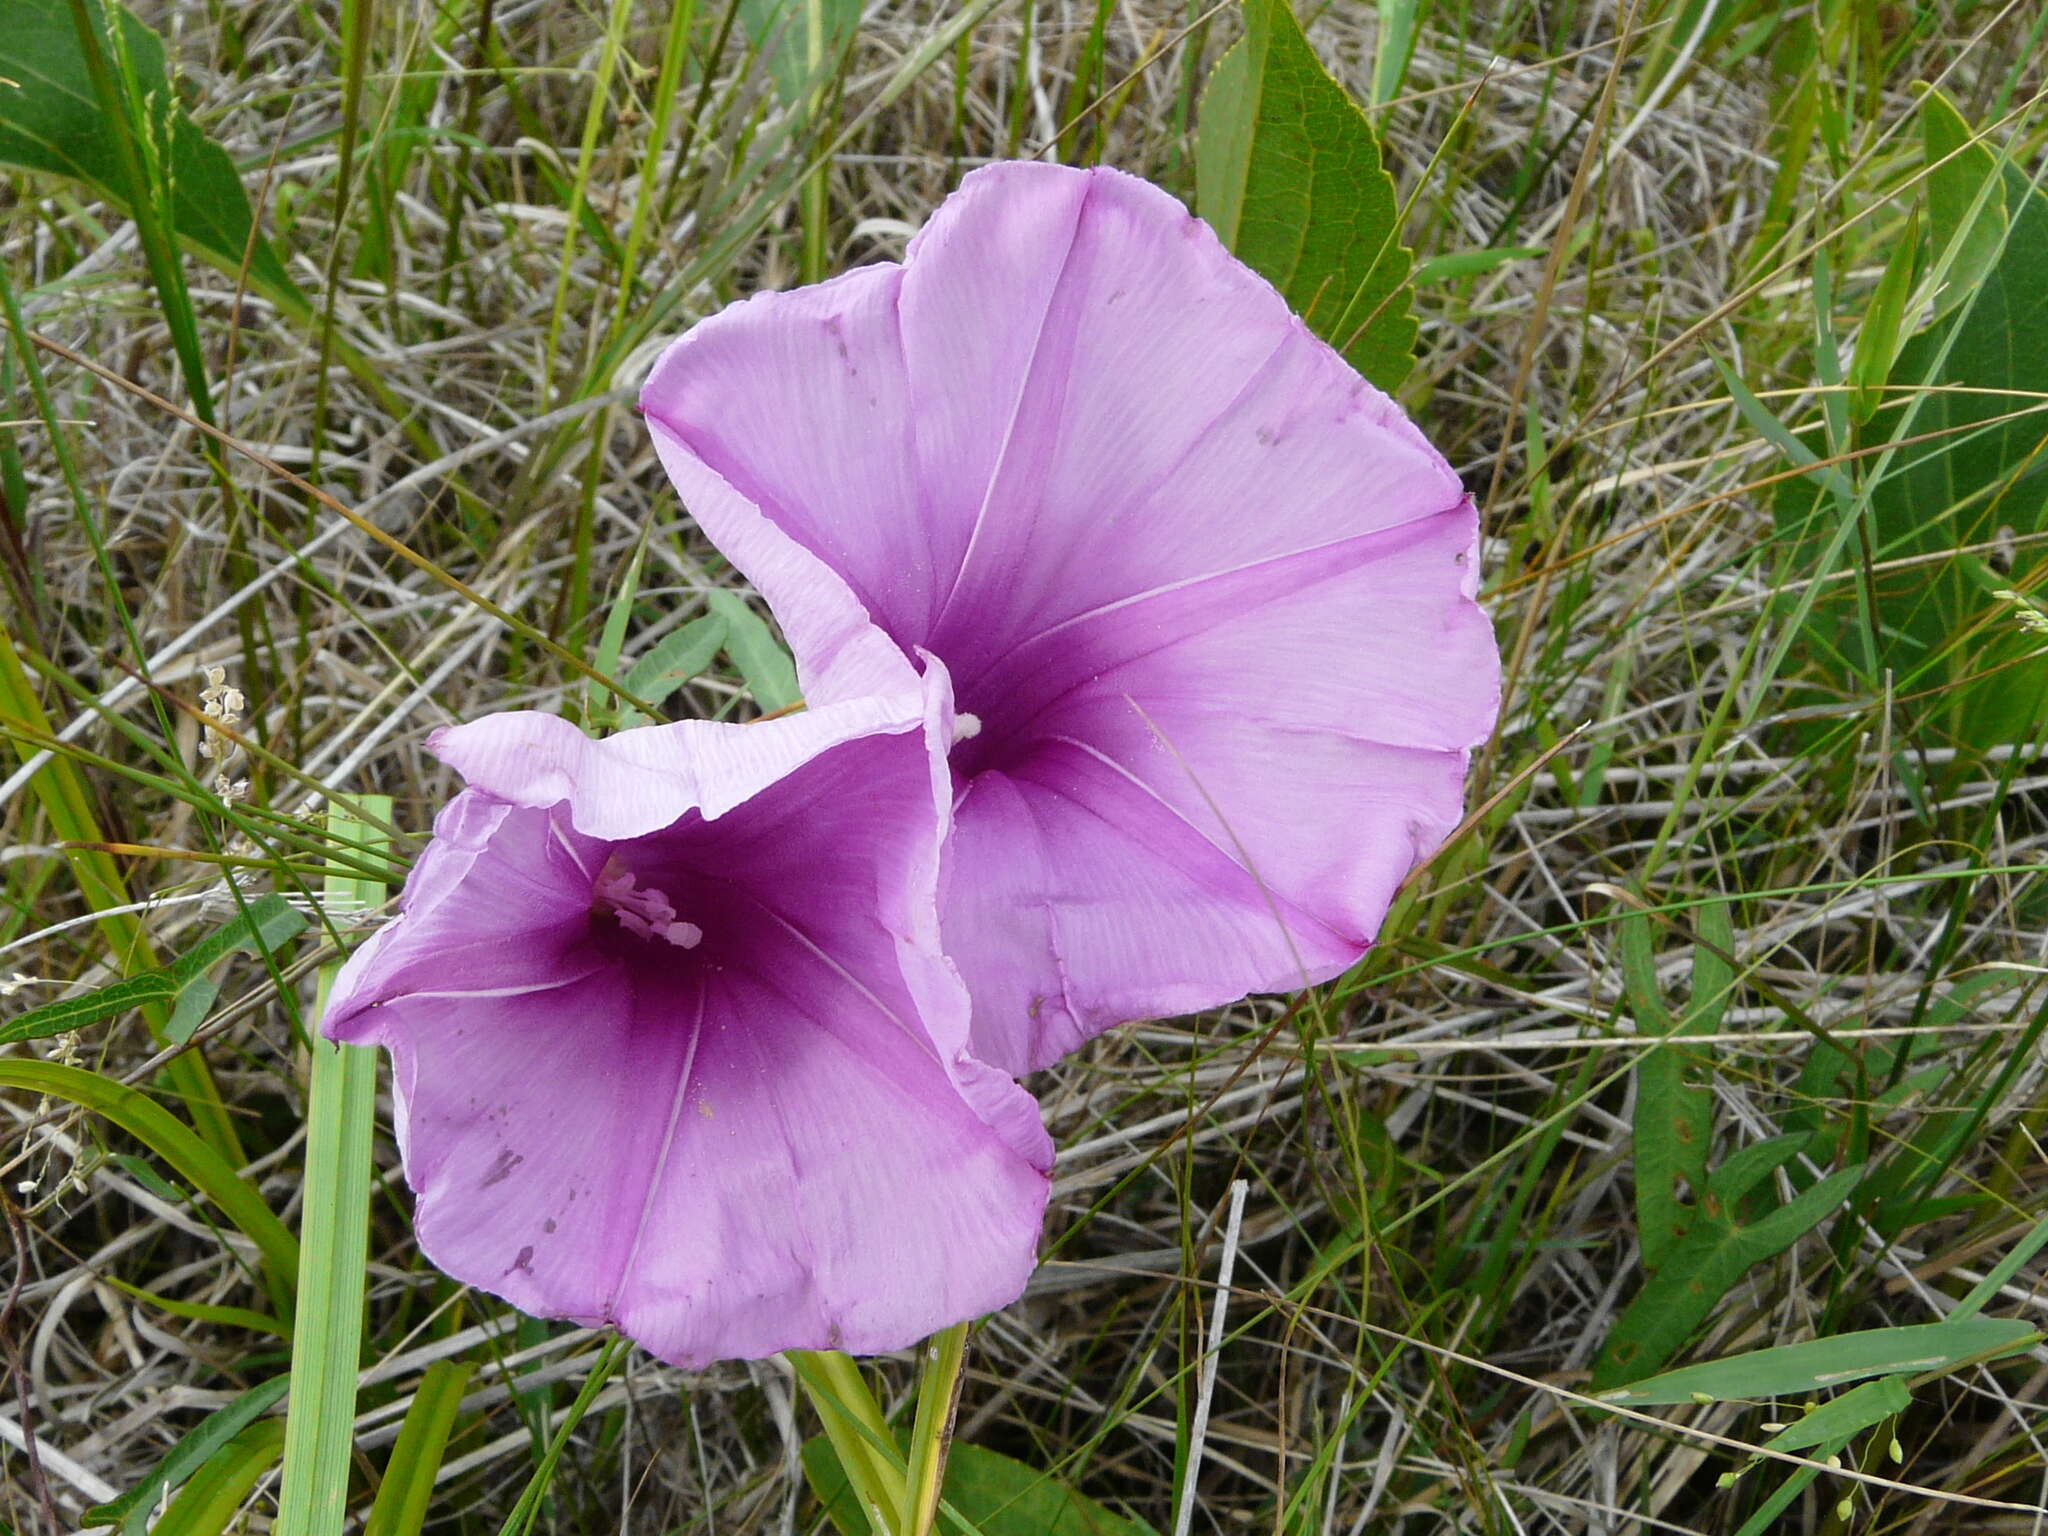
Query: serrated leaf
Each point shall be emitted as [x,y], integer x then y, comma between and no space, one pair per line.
[763,664]
[50,122]
[1792,1369]
[1288,172]
[989,1492]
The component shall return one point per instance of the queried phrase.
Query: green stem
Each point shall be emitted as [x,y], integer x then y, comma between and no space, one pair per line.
[334,1240]
[938,1398]
[859,1434]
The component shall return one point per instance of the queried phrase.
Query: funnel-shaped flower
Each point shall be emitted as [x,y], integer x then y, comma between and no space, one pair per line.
[1206,592]
[674,1048]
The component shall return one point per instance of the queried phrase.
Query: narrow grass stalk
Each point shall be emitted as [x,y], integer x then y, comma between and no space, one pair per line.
[859,1434]
[522,1517]
[334,1248]
[931,1435]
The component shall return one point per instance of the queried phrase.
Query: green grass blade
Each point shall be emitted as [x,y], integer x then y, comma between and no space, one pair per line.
[408,1487]
[187,1457]
[206,1504]
[335,1229]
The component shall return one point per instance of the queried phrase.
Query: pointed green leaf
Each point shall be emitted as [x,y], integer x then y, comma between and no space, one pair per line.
[762,662]
[1966,206]
[1718,1249]
[1287,170]
[676,658]
[408,1486]
[1792,1369]
[1878,339]
[90,1008]
[131,1510]
[50,122]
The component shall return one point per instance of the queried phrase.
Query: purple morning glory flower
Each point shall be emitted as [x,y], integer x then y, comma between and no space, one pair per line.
[674,1047]
[1205,594]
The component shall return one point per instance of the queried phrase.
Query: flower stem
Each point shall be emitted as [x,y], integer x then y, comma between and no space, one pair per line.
[859,1434]
[938,1396]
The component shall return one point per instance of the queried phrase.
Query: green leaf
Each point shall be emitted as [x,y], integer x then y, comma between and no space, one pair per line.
[801,40]
[214,1496]
[1394,47]
[1674,1112]
[261,928]
[600,704]
[763,664]
[335,1226]
[2002,1273]
[1965,469]
[1966,202]
[1841,1417]
[1878,338]
[985,1492]
[408,1486]
[1288,172]
[50,122]
[1792,1369]
[1717,1250]
[202,1312]
[676,658]
[76,1012]
[131,1510]
[1449,268]
[265,925]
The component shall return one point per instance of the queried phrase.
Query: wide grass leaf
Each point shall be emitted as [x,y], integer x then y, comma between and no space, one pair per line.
[132,1509]
[1791,1369]
[1288,172]
[156,1128]
[50,122]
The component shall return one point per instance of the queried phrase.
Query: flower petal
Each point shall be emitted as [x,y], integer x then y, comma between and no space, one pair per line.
[770,1137]
[639,780]
[826,1183]
[1207,592]
[786,416]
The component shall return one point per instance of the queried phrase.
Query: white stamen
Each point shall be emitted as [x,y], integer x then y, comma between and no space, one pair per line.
[966,727]
[642,910]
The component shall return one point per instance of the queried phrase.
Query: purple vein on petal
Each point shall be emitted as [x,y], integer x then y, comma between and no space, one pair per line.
[1236,854]
[1188,583]
[1025,395]
[652,1194]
